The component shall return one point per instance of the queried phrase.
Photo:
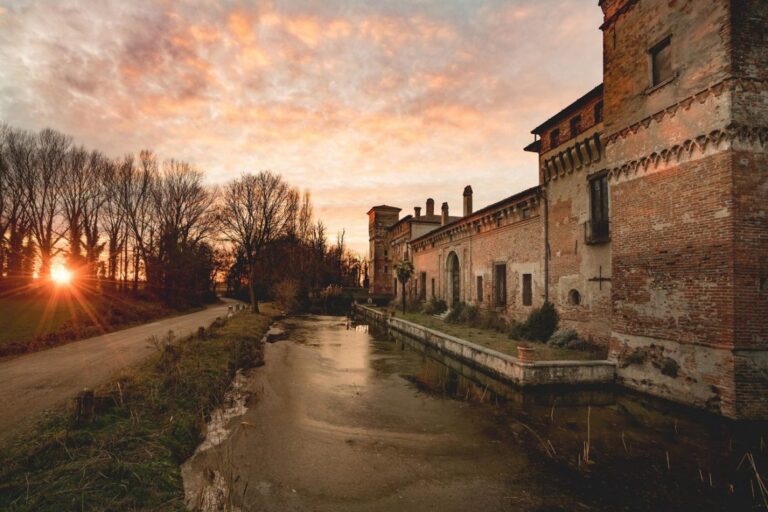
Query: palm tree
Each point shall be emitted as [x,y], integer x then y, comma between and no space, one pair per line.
[404,271]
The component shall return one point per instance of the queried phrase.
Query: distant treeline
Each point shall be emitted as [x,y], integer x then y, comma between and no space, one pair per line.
[136,223]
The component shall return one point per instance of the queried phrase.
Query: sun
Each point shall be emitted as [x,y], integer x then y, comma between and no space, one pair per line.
[61,275]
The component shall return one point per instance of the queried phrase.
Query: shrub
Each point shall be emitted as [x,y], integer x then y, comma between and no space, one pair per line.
[414,306]
[563,337]
[435,307]
[539,326]
[286,294]
[491,319]
[469,314]
[454,317]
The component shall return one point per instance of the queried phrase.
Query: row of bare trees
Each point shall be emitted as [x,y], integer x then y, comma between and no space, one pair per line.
[137,221]
[58,199]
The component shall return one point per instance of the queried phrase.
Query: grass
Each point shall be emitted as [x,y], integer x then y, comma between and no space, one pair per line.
[50,317]
[147,422]
[499,341]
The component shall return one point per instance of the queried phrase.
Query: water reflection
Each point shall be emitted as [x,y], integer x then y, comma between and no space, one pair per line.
[616,443]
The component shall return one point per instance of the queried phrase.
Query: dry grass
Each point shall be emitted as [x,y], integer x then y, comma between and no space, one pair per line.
[147,422]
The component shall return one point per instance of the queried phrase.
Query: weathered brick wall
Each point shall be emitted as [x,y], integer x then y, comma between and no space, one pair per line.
[588,121]
[750,169]
[673,287]
[700,57]
[520,246]
[573,263]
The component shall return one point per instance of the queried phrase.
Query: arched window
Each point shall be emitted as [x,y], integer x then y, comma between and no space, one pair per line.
[574,297]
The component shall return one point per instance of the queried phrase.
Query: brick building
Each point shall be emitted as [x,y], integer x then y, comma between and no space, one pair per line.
[649,227]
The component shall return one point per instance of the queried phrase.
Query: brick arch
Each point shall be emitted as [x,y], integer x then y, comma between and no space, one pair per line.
[453,278]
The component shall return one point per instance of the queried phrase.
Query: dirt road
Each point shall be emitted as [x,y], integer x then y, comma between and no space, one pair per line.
[33,383]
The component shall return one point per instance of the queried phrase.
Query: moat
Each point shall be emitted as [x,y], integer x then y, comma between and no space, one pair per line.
[342,418]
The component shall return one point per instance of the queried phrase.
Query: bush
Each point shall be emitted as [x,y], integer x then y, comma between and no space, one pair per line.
[491,319]
[435,307]
[540,325]
[469,315]
[414,306]
[563,337]
[456,311]
[286,294]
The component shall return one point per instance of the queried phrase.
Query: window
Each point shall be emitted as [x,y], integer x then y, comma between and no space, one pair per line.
[574,298]
[575,126]
[661,62]
[500,284]
[386,269]
[433,287]
[554,138]
[763,285]
[598,227]
[599,112]
[479,288]
[386,253]
[423,286]
[394,286]
[527,289]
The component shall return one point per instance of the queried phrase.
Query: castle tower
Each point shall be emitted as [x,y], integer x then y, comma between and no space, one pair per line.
[379,219]
[685,140]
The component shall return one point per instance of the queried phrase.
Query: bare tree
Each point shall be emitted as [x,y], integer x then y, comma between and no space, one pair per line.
[19,153]
[135,184]
[254,212]
[98,165]
[42,183]
[75,185]
[113,218]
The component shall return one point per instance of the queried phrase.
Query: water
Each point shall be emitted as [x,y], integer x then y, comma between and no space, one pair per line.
[342,418]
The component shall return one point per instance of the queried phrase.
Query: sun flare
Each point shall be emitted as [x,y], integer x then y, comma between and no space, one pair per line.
[61,275]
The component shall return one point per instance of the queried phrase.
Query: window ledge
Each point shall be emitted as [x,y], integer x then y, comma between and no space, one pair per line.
[660,85]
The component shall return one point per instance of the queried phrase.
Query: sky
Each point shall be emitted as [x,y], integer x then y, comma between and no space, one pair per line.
[361,103]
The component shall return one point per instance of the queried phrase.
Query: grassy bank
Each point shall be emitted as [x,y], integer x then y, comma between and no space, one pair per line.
[52,317]
[493,339]
[147,422]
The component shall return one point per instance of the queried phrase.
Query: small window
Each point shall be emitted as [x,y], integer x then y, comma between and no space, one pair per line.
[479,288]
[575,126]
[500,284]
[599,224]
[554,138]
[423,286]
[386,268]
[433,287]
[394,285]
[527,289]
[599,112]
[574,298]
[661,62]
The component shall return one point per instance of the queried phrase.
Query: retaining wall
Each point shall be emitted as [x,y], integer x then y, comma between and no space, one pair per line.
[502,366]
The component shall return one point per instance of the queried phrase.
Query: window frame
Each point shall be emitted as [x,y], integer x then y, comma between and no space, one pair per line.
[554,138]
[575,125]
[500,292]
[656,80]
[527,289]
[598,229]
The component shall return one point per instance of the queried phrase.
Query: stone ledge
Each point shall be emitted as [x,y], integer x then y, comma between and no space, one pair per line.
[503,366]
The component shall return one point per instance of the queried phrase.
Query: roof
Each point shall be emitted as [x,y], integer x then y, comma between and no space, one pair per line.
[533,147]
[573,107]
[384,207]
[481,212]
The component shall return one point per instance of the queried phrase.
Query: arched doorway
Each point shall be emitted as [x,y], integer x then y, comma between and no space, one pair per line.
[454,279]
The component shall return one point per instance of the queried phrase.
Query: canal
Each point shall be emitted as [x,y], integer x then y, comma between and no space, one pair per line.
[344,419]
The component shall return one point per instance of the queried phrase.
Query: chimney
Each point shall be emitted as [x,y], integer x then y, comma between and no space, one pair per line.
[417,212]
[430,207]
[467,201]
[444,217]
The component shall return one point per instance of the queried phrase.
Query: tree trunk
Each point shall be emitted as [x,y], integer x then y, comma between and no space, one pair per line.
[252,288]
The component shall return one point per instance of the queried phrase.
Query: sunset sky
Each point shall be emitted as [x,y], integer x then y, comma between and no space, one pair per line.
[362,103]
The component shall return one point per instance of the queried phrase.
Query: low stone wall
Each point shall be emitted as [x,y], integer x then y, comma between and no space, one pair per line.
[499,365]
